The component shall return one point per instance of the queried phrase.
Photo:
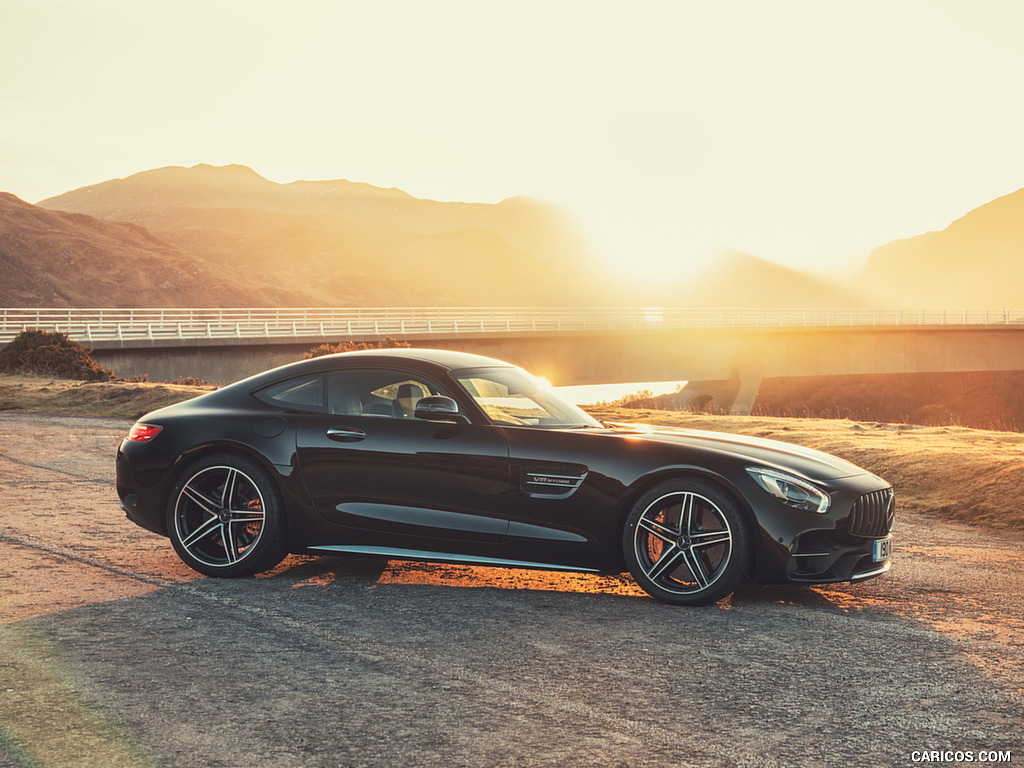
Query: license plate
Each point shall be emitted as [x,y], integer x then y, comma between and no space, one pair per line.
[881,549]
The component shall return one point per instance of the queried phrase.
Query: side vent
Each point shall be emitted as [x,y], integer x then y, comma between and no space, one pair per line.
[554,481]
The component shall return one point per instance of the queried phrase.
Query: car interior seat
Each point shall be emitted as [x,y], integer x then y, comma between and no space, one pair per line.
[408,396]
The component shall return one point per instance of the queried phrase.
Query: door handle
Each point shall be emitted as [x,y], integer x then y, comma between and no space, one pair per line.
[345,434]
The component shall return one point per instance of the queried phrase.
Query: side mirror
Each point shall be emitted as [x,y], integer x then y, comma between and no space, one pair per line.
[439,408]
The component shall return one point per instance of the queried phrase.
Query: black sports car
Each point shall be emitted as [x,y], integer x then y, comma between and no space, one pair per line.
[445,456]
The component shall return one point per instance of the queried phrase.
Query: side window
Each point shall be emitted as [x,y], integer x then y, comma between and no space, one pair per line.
[512,397]
[388,394]
[306,392]
[504,404]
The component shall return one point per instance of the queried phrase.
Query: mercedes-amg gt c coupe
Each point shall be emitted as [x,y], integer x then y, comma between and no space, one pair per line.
[444,456]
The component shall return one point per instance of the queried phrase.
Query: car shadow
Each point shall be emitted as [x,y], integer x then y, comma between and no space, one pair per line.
[380,572]
[305,571]
[314,569]
[789,594]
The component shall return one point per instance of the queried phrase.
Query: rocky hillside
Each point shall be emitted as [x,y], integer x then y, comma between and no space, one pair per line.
[57,259]
[974,262]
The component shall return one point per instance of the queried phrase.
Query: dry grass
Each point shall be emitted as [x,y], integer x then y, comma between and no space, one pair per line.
[127,400]
[955,473]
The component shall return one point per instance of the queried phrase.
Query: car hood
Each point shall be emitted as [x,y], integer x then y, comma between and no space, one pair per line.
[815,465]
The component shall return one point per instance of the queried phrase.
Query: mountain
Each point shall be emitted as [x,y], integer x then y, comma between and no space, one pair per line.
[736,279]
[57,259]
[975,262]
[226,236]
[346,243]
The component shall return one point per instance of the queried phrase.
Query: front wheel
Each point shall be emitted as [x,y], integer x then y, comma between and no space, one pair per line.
[686,542]
[225,519]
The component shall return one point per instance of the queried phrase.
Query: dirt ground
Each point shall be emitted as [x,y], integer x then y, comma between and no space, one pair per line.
[113,653]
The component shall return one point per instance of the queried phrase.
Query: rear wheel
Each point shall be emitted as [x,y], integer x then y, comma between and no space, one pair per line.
[225,519]
[686,542]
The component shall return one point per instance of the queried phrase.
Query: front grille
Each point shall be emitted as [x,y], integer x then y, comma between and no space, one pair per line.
[873,514]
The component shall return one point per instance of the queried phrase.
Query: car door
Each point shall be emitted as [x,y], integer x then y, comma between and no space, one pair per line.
[370,465]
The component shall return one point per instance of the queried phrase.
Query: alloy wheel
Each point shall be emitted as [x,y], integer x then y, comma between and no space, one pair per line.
[683,542]
[219,516]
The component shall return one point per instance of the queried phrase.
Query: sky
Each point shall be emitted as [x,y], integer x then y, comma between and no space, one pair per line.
[806,133]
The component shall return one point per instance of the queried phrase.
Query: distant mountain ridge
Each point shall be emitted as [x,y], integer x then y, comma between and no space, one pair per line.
[737,279]
[531,225]
[977,261]
[344,243]
[226,236]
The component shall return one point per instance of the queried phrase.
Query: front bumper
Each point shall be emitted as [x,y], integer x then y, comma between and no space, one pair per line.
[846,552]
[815,561]
[813,548]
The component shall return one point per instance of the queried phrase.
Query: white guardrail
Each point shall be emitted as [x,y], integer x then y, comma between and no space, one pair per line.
[153,325]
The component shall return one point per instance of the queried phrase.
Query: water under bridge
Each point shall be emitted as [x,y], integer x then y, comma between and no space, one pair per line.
[724,353]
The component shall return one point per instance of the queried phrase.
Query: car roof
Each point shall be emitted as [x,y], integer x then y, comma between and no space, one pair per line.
[444,359]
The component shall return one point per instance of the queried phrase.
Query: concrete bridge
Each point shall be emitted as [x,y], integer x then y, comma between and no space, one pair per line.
[723,353]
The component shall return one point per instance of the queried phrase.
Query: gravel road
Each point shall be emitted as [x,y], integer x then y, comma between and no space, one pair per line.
[113,653]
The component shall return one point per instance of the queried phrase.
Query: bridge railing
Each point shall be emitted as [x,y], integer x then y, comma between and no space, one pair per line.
[112,325]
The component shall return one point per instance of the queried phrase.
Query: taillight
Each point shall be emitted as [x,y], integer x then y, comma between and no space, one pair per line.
[143,433]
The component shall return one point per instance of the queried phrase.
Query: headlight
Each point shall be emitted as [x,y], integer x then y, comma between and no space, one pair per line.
[791,491]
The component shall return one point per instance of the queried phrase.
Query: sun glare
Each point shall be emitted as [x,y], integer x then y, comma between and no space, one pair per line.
[653,315]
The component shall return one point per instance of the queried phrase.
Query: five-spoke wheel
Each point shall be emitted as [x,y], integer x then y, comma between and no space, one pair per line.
[687,543]
[224,518]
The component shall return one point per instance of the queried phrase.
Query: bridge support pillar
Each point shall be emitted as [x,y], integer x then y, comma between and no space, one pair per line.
[734,396]
[746,395]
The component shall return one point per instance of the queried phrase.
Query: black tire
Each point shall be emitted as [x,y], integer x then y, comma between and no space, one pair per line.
[686,542]
[225,517]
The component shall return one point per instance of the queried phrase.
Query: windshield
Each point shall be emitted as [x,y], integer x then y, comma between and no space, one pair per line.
[512,397]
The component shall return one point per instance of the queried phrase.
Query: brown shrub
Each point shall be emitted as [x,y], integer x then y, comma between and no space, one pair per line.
[351,346]
[645,398]
[50,353]
[191,381]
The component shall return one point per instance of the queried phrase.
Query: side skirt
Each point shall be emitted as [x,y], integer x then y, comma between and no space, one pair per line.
[442,557]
